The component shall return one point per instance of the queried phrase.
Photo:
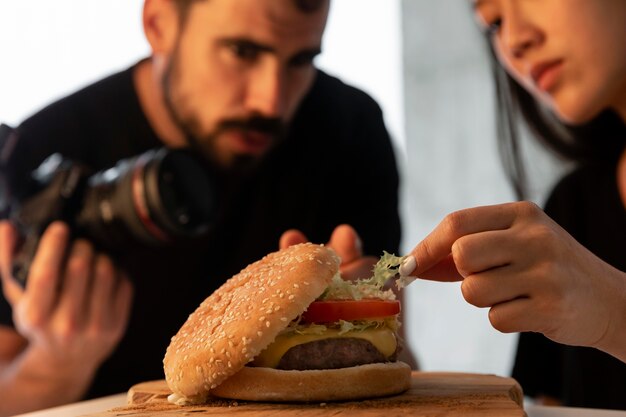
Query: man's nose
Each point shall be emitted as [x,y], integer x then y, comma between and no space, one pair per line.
[267,91]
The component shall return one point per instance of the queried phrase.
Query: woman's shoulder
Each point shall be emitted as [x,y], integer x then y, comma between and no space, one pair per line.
[585,181]
[586,198]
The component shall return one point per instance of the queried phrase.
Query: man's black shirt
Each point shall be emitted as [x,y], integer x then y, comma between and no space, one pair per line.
[336,166]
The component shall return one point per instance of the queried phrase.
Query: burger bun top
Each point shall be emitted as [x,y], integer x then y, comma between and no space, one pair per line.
[244,316]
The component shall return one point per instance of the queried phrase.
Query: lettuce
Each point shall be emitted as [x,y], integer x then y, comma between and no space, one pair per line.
[373,287]
[342,325]
[386,268]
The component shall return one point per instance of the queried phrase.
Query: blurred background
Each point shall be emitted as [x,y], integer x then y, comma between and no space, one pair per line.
[424,61]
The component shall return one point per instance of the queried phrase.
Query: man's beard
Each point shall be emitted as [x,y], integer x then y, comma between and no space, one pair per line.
[205,144]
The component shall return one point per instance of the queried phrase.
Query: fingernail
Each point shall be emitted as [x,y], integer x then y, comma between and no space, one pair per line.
[408,266]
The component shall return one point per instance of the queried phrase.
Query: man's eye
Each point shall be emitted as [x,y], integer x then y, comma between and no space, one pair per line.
[244,51]
[303,60]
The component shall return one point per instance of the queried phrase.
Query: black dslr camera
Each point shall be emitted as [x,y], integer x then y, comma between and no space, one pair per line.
[158,197]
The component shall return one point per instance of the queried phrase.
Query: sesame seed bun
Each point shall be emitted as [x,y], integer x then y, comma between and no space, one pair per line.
[243,317]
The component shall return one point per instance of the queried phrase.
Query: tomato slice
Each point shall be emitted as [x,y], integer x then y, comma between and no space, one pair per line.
[335,310]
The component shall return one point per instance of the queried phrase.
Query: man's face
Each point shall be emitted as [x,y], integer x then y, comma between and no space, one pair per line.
[238,72]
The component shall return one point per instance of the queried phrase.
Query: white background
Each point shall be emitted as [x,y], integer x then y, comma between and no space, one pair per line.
[436,98]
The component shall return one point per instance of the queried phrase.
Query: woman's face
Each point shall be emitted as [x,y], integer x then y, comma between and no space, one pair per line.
[569,54]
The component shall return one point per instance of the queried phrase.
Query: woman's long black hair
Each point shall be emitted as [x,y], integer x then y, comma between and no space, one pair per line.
[601,140]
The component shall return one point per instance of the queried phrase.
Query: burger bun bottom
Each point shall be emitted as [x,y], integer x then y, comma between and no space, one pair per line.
[354,383]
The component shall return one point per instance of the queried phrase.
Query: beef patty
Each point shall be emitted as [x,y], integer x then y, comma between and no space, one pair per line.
[332,353]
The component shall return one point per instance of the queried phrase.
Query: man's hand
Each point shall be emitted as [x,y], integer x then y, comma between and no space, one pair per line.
[347,243]
[72,313]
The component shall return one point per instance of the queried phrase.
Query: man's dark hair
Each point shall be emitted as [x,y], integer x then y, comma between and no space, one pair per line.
[306,6]
[600,140]
[309,6]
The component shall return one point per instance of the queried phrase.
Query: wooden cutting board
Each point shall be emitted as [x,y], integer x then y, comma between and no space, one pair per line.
[440,394]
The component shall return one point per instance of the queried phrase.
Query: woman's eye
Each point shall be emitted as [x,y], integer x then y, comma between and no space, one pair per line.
[493,27]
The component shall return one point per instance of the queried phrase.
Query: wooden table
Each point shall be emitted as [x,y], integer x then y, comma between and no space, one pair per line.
[440,394]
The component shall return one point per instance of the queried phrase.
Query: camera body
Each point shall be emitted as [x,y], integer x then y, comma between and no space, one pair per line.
[157,198]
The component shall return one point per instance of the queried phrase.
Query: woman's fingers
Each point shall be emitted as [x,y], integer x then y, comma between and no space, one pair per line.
[444,271]
[470,236]
[438,244]
[517,315]
[475,253]
[491,249]
[496,286]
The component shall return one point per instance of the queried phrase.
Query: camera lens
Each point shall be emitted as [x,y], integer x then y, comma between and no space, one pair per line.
[157,197]
[178,194]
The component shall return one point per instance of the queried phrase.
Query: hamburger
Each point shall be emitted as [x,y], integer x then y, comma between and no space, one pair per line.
[288,328]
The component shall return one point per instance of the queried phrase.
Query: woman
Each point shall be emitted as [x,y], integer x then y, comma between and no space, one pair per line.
[561,65]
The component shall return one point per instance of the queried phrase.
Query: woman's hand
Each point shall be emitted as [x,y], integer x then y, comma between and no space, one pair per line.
[532,274]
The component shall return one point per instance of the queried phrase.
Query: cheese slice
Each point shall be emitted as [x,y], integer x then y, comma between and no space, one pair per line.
[384,339]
